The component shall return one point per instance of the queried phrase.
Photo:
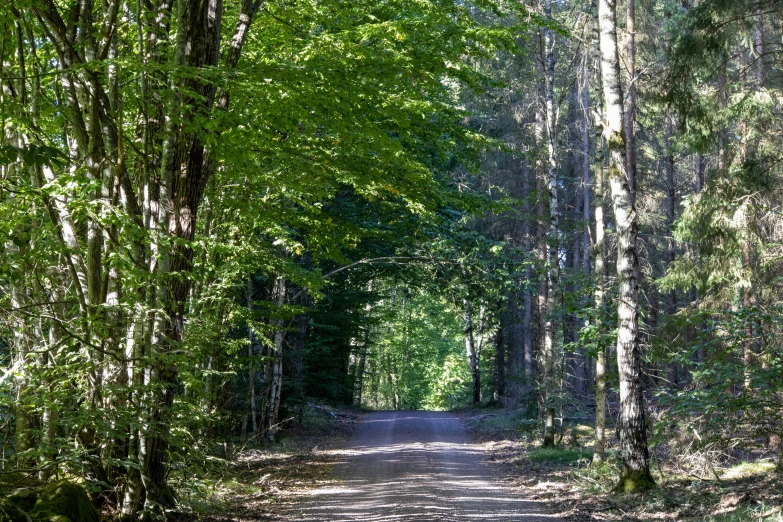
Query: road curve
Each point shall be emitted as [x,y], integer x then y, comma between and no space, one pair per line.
[415,465]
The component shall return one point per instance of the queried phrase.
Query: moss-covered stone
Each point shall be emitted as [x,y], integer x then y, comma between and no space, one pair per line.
[9,512]
[59,502]
[25,498]
[46,516]
[63,502]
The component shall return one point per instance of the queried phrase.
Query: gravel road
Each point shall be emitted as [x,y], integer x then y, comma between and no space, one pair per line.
[415,465]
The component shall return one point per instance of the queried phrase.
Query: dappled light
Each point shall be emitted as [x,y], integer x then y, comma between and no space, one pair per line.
[414,466]
[253,252]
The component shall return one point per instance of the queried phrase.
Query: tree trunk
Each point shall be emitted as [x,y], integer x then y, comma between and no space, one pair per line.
[470,349]
[630,103]
[553,262]
[363,356]
[297,350]
[758,47]
[599,251]
[277,363]
[586,205]
[632,428]
[527,298]
[541,237]
[500,363]
[671,296]
[252,349]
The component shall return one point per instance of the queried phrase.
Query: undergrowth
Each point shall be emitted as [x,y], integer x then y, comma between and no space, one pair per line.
[734,490]
[254,476]
[560,455]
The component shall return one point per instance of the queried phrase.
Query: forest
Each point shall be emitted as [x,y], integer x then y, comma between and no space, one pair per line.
[222,217]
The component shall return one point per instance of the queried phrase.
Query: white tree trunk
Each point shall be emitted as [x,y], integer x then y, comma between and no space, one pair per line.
[632,427]
[553,261]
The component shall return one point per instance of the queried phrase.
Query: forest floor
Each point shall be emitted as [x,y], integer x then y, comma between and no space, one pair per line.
[262,481]
[265,482]
[563,477]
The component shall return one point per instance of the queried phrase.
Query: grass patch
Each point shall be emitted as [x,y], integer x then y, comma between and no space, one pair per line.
[559,455]
[748,469]
[758,513]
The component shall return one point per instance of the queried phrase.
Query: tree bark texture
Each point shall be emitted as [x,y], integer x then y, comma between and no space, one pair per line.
[599,248]
[630,102]
[632,428]
[553,261]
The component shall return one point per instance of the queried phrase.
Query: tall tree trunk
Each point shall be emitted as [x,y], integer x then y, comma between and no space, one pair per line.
[758,47]
[541,237]
[586,204]
[360,366]
[500,363]
[599,250]
[363,355]
[277,362]
[698,168]
[527,298]
[470,349]
[630,103]
[297,353]
[553,261]
[632,428]
[527,334]
[188,166]
[252,349]
[671,295]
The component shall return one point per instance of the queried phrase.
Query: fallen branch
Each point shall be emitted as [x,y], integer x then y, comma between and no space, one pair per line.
[261,432]
[323,410]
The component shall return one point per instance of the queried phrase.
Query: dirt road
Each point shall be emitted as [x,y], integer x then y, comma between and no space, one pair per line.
[403,466]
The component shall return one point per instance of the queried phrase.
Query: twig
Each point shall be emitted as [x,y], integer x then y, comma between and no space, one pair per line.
[263,431]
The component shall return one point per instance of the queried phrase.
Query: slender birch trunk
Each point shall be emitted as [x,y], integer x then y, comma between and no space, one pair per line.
[599,247]
[632,427]
[553,261]
[470,350]
[630,102]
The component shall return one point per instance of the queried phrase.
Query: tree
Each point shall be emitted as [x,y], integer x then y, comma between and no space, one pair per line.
[632,426]
[159,170]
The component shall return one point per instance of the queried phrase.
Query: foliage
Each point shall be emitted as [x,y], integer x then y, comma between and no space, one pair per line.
[155,202]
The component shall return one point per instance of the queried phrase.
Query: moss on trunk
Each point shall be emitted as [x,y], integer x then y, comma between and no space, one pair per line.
[635,481]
